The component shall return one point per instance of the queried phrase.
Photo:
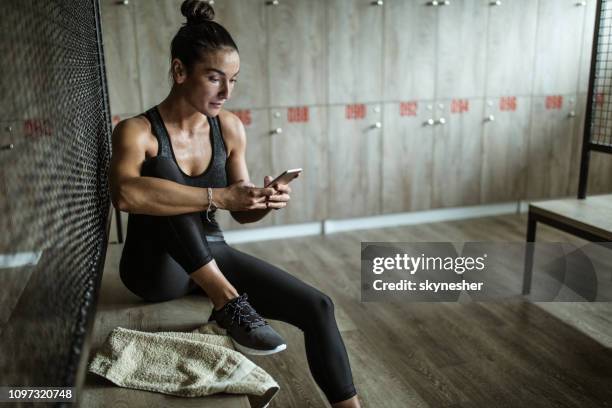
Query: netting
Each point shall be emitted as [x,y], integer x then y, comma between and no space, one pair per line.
[601,108]
[54,154]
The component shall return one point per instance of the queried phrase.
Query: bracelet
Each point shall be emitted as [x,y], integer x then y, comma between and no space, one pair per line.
[211,205]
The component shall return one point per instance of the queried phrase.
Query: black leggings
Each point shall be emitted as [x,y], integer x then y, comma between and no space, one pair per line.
[179,247]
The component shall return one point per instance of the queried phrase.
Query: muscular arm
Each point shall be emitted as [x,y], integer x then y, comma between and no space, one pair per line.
[235,137]
[134,193]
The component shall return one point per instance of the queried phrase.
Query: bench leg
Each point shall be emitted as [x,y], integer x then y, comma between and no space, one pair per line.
[528,270]
[118,224]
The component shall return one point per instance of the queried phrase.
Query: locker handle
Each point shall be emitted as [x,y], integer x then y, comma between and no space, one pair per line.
[495,3]
[433,3]
[429,122]
[123,2]
[440,121]
[490,118]
[377,125]
[272,3]
[9,146]
[276,131]
[377,3]
[581,3]
[444,3]
[572,114]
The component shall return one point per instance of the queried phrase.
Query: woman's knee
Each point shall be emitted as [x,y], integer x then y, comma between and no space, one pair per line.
[320,307]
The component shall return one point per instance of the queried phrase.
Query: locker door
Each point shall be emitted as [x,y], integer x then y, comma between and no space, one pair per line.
[410,51]
[259,163]
[587,45]
[157,21]
[246,22]
[354,51]
[510,48]
[462,29]
[505,141]
[407,156]
[296,59]
[355,148]
[457,153]
[558,47]
[551,142]
[302,143]
[121,57]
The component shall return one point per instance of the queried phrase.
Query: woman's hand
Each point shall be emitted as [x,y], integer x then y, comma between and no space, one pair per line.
[280,198]
[242,196]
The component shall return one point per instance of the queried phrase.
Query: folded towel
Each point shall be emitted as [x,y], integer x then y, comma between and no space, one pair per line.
[187,364]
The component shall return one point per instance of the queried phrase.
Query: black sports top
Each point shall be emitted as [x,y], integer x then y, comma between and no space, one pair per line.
[214,176]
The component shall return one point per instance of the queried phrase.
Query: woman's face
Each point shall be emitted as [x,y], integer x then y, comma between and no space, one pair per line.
[211,82]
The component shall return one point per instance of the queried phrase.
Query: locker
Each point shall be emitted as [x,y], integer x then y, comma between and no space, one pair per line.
[587,45]
[457,152]
[121,57]
[297,51]
[355,149]
[407,156]
[302,143]
[558,47]
[462,29]
[410,51]
[157,21]
[504,148]
[510,48]
[354,38]
[257,125]
[246,22]
[551,141]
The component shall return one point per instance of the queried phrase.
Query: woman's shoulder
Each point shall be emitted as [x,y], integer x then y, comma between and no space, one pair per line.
[134,130]
[232,129]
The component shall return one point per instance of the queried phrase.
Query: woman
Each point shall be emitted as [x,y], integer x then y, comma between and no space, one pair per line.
[171,168]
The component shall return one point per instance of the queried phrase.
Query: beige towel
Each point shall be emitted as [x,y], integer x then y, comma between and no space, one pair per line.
[195,364]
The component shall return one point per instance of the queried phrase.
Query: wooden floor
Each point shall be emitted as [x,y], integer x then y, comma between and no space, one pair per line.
[402,354]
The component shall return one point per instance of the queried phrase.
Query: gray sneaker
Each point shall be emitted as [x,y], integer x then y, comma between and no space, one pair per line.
[249,332]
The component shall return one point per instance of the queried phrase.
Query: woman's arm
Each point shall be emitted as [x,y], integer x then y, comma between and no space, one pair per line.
[235,138]
[134,193]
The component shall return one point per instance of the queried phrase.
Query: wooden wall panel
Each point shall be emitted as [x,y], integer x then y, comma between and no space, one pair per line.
[121,56]
[354,37]
[504,149]
[558,47]
[462,36]
[157,21]
[355,147]
[246,22]
[303,143]
[410,50]
[259,162]
[407,156]
[457,155]
[297,53]
[587,46]
[551,141]
[510,48]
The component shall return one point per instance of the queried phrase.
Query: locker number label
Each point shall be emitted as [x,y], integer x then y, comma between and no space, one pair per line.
[37,127]
[298,114]
[460,106]
[408,108]
[507,103]
[244,116]
[355,111]
[554,102]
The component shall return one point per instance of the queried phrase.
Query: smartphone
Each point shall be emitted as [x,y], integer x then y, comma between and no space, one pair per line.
[285,177]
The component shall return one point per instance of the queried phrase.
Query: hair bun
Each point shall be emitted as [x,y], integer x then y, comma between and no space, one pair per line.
[197,11]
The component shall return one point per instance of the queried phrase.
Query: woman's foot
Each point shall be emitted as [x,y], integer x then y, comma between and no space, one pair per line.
[249,332]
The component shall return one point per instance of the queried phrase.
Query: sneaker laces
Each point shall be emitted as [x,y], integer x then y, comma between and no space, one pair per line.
[244,314]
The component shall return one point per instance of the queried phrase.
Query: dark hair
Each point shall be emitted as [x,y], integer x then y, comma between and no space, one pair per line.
[199,35]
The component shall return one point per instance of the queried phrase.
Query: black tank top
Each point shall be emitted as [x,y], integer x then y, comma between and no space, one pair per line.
[214,176]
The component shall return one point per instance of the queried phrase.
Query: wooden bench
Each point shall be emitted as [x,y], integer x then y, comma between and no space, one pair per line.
[589,218]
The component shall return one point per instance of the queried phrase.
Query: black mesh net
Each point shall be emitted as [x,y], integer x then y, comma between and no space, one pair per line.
[601,116]
[54,154]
